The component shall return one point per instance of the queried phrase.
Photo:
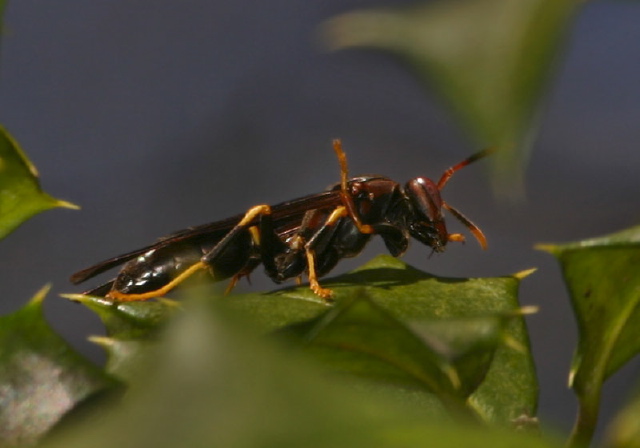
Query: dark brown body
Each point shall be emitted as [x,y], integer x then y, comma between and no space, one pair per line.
[309,236]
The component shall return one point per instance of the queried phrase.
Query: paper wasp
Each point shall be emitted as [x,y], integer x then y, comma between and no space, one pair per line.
[309,235]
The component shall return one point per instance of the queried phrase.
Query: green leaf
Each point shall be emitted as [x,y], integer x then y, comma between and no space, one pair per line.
[415,298]
[603,281]
[215,383]
[447,357]
[132,330]
[406,304]
[602,277]
[20,194]
[41,376]
[129,320]
[126,357]
[489,59]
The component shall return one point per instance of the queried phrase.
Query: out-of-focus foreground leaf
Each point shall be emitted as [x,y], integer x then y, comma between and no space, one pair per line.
[2,5]
[603,281]
[624,431]
[489,59]
[214,383]
[41,376]
[20,194]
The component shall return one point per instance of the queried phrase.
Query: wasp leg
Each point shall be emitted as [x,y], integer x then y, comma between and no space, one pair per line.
[283,260]
[280,260]
[124,297]
[210,257]
[329,225]
[205,262]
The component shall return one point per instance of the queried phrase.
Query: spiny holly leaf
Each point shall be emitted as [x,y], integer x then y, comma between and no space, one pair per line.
[132,329]
[468,344]
[20,194]
[214,383]
[129,320]
[509,389]
[447,357]
[489,59]
[125,356]
[41,376]
[602,277]
[412,297]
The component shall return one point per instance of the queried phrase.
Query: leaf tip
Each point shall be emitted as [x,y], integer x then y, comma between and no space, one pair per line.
[572,377]
[530,309]
[102,341]
[356,29]
[78,298]
[546,247]
[38,298]
[66,204]
[524,274]
[94,303]
[514,344]
[169,303]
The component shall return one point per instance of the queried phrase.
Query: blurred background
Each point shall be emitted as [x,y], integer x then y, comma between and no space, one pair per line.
[154,117]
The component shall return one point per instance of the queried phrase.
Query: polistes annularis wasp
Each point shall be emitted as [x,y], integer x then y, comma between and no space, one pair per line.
[309,235]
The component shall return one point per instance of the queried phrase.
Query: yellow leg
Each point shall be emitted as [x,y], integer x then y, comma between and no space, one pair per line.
[123,297]
[253,212]
[232,284]
[339,212]
[201,265]
[323,293]
[457,237]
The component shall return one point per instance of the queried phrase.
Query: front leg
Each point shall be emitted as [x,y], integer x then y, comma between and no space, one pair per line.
[328,227]
[283,260]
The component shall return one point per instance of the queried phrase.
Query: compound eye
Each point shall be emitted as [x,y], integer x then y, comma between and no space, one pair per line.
[425,198]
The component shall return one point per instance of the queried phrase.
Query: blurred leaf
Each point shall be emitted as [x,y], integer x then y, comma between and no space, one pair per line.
[126,358]
[2,5]
[41,376]
[132,330]
[490,60]
[416,298]
[603,281]
[214,383]
[20,194]
[602,277]
[624,430]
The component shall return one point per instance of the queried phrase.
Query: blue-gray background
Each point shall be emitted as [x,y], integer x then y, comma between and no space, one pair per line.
[154,117]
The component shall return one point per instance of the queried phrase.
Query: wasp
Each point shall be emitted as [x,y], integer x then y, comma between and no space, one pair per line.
[309,235]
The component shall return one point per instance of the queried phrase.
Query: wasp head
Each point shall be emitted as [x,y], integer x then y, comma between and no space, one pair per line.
[427,223]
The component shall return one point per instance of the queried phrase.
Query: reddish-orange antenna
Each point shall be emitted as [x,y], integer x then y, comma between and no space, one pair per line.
[474,229]
[472,158]
[344,168]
